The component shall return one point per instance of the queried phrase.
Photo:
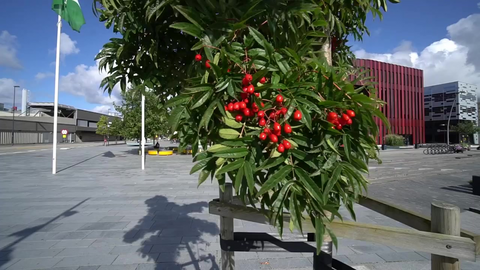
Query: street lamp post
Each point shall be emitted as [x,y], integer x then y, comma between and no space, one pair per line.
[450,116]
[13,113]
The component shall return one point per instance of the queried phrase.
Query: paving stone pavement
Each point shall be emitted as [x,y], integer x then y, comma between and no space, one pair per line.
[101,212]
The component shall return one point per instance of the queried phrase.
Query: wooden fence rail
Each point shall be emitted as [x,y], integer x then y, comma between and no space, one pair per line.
[438,237]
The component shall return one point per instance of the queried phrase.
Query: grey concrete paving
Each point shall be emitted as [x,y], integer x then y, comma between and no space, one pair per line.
[102,212]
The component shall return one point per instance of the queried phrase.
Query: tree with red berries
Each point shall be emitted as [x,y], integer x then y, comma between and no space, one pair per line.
[259,81]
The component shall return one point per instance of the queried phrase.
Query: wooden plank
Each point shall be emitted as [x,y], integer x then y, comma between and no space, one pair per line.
[435,243]
[402,215]
[226,229]
[445,220]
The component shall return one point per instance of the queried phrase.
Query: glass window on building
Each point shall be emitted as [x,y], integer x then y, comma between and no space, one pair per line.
[82,123]
[92,124]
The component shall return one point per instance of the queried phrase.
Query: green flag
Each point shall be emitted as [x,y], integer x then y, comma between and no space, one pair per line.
[70,11]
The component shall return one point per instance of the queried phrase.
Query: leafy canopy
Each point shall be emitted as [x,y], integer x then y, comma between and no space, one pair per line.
[131,110]
[287,42]
[102,125]
[466,128]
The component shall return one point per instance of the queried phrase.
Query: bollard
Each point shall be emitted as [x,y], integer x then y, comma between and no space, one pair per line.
[445,220]
[226,229]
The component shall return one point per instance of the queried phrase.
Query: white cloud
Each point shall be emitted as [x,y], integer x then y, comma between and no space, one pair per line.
[85,82]
[103,109]
[67,46]
[43,75]
[456,58]
[8,51]
[6,92]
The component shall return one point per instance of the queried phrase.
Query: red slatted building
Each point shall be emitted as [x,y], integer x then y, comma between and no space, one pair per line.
[402,89]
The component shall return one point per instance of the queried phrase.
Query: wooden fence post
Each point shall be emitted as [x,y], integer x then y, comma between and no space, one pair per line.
[445,220]
[226,229]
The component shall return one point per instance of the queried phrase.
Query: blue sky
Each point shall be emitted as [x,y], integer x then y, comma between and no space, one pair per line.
[412,33]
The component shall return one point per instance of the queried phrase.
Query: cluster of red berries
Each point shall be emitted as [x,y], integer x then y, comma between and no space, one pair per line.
[340,121]
[198,58]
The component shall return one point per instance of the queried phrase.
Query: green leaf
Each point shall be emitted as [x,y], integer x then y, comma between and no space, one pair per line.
[249,175]
[231,166]
[275,179]
[362,98]
[232,123]
[190,15]
[201,88]
[346,145]
[200,156]
[306,118]
[330,144]
[320,22]
[238,180]
[227,133]
[202,176]
[319,231]
[201,100]
[217,147]
[208,115]
[259,38]
[331,182]
[232,153]
[188,28]
[200,165]
[175,117]
[271,162]
[181,99]
[295,213]
[310,186]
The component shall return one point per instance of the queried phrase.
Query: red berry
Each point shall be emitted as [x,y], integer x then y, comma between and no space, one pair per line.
[236,106]
[342,121]
[262,122]
[244,95]
[255,109]
[261,104]
[198,58]
[267,130]
[228,70]
[207,63]
[284,110]
[297,115]
[230,107]
[254,105]
[242,105]
[332,116]
[246,100]
[257,94]
[248,77]
[277,127]
[246,112]
[245,89]
[245,82]
[251,89]
[273,138]
[345,117]
[349,121]
[351,113]
[335,122]
[262,136]
[279,99]
[277,132]
[238,118]
[339,126]
[287,144]
[226,108]
[281,148]
[263,80]
[287,128]
[261,114]
[271,115]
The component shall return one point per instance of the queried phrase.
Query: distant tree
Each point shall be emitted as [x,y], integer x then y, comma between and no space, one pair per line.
[102,126]
[116,128]
[155,115]
[465,128]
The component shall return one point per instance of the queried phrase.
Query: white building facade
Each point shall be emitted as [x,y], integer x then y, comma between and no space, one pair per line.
[458,99]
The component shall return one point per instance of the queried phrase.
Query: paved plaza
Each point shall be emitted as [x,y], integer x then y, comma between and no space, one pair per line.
[101,212]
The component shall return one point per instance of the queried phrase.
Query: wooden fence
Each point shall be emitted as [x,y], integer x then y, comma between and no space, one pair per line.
[440,235]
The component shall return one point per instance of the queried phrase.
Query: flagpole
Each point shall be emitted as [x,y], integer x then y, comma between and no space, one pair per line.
[55,110]
[143,132]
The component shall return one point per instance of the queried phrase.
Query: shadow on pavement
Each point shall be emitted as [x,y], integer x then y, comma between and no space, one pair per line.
[460,188]
[78,163]
[109,154]
[5,252]
[175,240]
